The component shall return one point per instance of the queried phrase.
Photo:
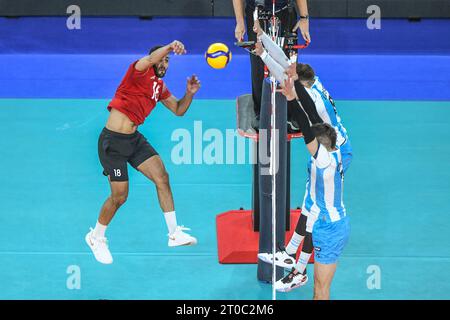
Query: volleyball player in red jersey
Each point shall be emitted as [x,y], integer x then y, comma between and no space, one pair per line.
[120,143]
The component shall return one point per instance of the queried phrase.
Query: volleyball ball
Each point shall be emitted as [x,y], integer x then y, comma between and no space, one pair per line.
[218,55]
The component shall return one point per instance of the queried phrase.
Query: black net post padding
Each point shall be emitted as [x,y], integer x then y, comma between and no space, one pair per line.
[255,188]
[245,124]
[288,185]
[264,272]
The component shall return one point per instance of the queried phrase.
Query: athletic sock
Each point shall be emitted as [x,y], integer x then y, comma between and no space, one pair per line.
[302,262]
[294,243]
[99,230]
[171,221]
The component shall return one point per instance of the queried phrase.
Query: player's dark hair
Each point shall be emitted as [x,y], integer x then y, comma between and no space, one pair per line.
[325,134]
[154,49]
[305,72]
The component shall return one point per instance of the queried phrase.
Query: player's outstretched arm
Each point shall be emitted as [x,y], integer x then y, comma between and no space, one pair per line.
[311,142]
[144,63]
[275,69]
[179,107]
[307,103]
[274,50]
[303,97]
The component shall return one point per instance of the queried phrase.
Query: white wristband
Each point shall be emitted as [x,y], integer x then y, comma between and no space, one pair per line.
[264,55]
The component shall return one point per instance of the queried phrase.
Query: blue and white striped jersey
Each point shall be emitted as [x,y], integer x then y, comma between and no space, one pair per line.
[327,110]
[325,185]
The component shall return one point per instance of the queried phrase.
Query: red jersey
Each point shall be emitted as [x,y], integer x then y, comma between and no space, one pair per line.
[138,94]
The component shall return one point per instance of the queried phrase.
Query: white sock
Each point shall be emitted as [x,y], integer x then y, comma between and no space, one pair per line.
[294,243]
[171,221]
[302,261]
[99,230]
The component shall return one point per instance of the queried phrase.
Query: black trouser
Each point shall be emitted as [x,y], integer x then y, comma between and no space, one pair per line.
[257,65]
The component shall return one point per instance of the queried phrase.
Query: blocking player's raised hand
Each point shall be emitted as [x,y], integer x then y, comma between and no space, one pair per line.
[258,48]
[193,84]
[288,90]
[177,47]
[257,27]
[291,70]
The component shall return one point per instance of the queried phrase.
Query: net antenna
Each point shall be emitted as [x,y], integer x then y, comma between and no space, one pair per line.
[274,151]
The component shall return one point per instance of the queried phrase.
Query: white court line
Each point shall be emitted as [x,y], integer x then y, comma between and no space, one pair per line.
[204,254]
[115,253]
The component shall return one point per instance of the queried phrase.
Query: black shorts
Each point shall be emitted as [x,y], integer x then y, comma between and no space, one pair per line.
[116,149]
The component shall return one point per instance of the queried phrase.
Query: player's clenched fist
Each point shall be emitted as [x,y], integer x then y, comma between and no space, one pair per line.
[177,47]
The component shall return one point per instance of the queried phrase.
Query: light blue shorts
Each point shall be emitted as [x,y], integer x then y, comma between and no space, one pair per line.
[329,239]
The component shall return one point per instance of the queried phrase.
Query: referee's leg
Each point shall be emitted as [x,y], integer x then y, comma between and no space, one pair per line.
[256,65]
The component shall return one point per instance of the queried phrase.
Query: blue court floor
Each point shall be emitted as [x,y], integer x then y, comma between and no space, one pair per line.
[52,188]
